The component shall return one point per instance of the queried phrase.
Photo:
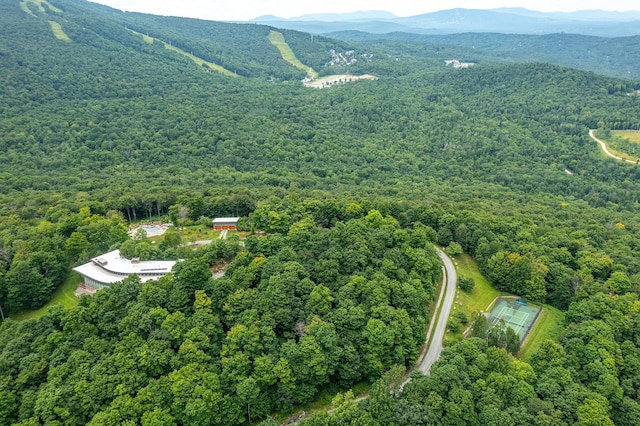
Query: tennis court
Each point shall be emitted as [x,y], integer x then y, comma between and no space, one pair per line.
[515,314]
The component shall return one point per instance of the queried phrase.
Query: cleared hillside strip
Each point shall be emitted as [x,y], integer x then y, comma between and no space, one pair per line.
[277,39]
[58,31]
[40,4]
[197,60]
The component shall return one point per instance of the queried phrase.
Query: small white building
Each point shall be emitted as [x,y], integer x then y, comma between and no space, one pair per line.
[225,223]
[111,267]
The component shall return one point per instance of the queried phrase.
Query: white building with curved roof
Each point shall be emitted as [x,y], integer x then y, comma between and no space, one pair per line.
[111,267]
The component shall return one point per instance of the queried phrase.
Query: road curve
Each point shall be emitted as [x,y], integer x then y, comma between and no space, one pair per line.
[446,298]
[449,282]
[605,148]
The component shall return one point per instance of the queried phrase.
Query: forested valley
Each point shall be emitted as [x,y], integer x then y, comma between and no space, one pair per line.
[101,125]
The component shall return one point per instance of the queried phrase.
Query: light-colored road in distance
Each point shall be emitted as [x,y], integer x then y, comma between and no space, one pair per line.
[605,148]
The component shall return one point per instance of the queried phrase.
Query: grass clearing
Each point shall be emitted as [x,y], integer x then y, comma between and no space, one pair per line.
[479,299]
[58,31]
[198,61]
[25,7]
[621,137]
[630,135]
[549,326]
[63,295]
[483,292]
[625,144]
[198,232]
[40,5]
[277,39]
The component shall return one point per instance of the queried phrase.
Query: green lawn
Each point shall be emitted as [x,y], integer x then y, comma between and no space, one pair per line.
[483,292]
[549,326]
[198,232]
[479,299]
[63,295]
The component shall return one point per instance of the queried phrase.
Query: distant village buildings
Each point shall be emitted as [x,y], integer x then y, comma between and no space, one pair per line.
[457,64]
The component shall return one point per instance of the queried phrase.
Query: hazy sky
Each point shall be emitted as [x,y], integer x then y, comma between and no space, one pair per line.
[242,10]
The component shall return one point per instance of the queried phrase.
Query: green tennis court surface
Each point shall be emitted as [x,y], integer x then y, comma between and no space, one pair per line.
[516,315]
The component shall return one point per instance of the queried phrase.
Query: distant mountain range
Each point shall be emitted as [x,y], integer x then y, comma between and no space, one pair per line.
[503,20]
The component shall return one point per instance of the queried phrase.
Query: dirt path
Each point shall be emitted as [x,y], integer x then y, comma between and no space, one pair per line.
[605,148]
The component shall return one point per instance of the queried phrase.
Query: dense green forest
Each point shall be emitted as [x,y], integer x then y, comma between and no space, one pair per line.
[590,377]
[612,56]
[353,185]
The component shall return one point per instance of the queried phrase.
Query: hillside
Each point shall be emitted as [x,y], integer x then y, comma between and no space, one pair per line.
[615,57]
[101,124]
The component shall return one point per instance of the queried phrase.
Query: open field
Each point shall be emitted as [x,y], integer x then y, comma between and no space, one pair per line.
[620,137]
[611,145]
[58,31]
[550,320]
[63,295]
[549,326]
[483,293]
[199,232]
[630,138]
[630,135]
[277,39]
[470,303]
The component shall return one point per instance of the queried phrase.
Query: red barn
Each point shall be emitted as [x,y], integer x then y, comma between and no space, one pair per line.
[225,223]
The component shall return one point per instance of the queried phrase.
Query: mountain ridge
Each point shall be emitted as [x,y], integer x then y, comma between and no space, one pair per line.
[458,20]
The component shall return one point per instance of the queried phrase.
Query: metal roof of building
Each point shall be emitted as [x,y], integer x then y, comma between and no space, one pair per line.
[112,267]
[225,219]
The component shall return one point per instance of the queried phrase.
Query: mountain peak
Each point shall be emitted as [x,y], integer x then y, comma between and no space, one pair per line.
[264,18]
[369,15]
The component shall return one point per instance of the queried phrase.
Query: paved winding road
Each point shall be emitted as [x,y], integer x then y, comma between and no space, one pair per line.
[446,302]
[605,148]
